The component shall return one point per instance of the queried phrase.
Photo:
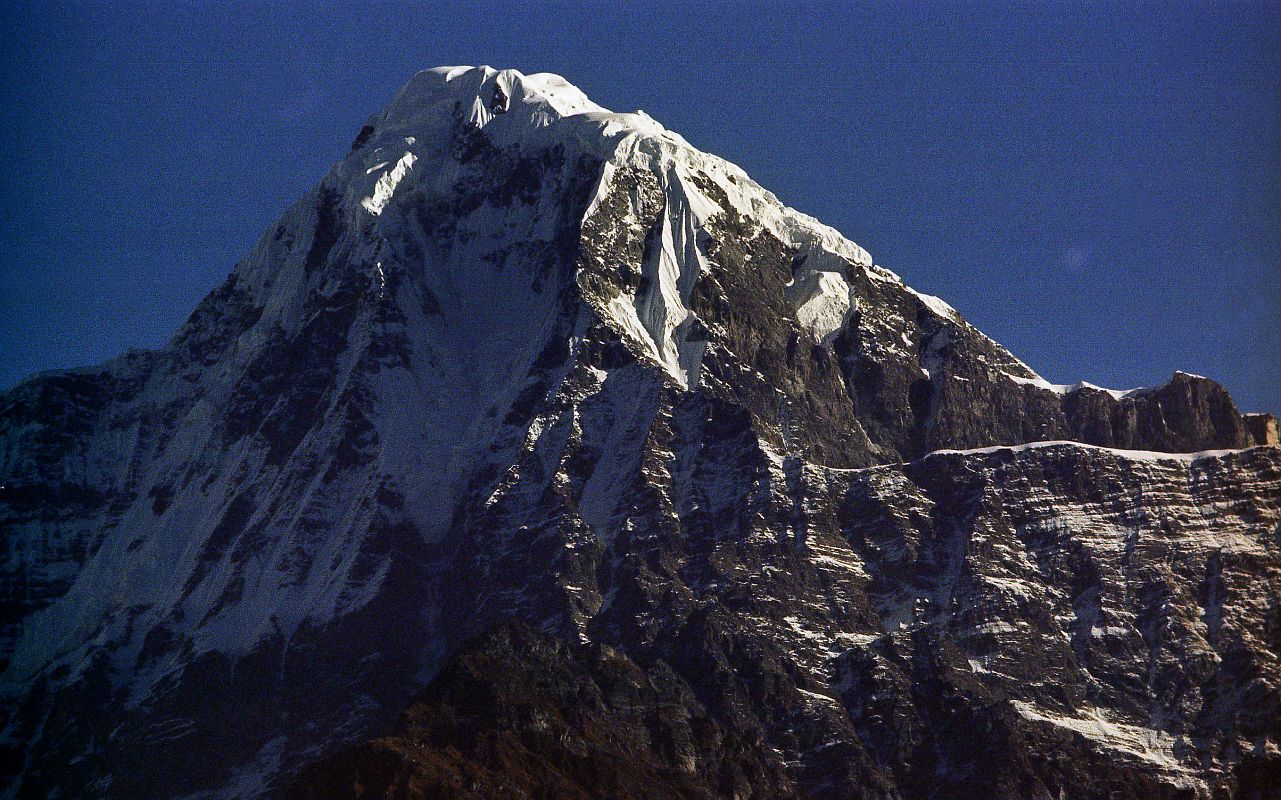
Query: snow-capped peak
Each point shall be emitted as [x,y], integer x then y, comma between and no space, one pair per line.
[483,95]
[409,146]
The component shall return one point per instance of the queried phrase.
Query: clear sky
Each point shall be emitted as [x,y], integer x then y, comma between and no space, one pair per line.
[1096,186]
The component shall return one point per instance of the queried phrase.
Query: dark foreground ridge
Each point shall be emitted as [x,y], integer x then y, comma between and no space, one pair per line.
[625,480]
[522,714]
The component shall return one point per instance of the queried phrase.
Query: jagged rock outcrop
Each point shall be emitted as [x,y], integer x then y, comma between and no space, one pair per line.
[520,357]
[1263,428]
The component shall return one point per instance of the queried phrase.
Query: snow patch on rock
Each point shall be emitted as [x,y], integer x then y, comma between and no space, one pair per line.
[1068,388]
[822,302]
[1133,455]
[387,183]
[1148,744]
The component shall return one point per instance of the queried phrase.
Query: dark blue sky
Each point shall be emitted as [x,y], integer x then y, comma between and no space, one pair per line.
[1098,187]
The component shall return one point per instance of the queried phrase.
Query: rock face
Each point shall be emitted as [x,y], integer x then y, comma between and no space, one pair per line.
[524,714]
[1263,428]
[523,369]
[1048,621]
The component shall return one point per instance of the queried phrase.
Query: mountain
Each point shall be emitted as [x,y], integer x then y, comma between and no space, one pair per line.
[536,453]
